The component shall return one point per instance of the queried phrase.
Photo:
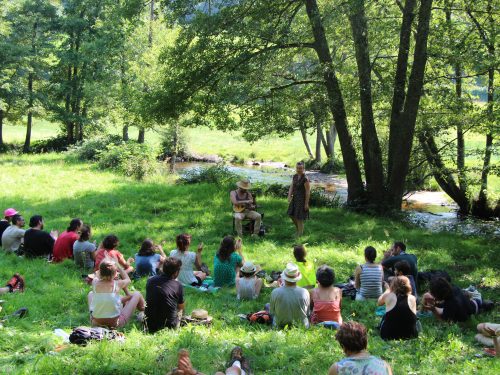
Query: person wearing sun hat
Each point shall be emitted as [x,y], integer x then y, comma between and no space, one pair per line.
[244,207]
[7,219]
[248,285]
[289,303]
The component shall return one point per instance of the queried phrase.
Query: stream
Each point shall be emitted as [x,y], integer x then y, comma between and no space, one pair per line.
[432,210]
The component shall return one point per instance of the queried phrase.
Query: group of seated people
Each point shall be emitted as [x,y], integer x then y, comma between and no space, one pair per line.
[302,296]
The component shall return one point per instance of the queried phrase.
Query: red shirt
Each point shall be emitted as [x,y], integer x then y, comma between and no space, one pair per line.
[63,247]
[101,254]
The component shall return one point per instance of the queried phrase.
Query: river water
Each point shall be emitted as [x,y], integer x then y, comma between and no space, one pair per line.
[432,210]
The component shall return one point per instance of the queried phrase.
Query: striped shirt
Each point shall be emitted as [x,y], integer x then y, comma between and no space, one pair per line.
[371,281]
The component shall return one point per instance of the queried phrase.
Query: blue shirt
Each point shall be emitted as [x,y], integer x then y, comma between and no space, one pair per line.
[146,265]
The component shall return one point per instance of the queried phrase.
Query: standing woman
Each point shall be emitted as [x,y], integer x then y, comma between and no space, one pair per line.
[298,198]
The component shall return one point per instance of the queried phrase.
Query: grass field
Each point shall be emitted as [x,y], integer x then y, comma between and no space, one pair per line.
[61,189]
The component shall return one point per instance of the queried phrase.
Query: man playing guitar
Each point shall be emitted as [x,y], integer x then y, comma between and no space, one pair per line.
[244,207]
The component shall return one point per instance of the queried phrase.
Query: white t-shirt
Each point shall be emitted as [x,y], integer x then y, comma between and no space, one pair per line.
[186,275]
[12,238]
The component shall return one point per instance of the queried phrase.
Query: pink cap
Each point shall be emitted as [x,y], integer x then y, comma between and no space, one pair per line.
[9,212]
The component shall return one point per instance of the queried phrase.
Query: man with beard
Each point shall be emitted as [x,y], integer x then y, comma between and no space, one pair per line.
[37,242]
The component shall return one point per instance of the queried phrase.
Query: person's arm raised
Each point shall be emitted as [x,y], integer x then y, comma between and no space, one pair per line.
[197,261]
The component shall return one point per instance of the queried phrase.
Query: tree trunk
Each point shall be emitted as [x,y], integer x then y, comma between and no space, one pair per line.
[1,130]
[462,178]
[331,137]
[67,107]
[27,141]
[319,136]
[355,189]
[444,177]
[125,133]
[372,153]
[306,142]
[140,137]
[402,131]
[175,145]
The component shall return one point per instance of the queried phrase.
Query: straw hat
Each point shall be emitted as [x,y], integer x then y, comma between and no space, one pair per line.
[244,184]
[291,273]
[200,314]
[248,268]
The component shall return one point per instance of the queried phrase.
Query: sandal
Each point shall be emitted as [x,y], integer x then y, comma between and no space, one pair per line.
[237,355]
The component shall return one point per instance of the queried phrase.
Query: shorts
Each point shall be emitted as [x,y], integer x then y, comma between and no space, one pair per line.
[198,282]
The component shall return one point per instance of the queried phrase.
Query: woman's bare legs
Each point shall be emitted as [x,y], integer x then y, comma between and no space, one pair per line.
[200,274]
[135,302]
[258,287]
[300,227]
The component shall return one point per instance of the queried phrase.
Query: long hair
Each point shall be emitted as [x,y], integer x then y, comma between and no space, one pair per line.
[400,286]
[74,224]
[226,248]
[147,248]
[183,241]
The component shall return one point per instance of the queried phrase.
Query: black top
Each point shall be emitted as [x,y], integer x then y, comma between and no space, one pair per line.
[4,224]
[296,208]
[458,308]
[400,323]
[410,258]
[37,243]
[162,297]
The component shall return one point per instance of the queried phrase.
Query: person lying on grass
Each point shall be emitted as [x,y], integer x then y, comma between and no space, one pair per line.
[248,286]
[165,297]
[63,247]
[15,284]
[227,262]
[108,249]
[353,339]
[107,308]
[306,268]
[369,277]
[488,334]
[326,300]
[149,259]
[400,319]
[190,260]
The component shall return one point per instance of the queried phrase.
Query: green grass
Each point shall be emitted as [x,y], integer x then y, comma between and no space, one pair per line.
[61,189]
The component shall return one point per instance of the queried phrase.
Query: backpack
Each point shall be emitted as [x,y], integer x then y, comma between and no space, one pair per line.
[83,335]
[262,317]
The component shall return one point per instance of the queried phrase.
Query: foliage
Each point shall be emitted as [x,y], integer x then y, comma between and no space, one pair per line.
[132,159]
[89,149]
[110,203]
[217,174]
[174,140]
[55,144]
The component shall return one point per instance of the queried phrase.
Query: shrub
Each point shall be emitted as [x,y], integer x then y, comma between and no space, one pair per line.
[217,174]
[167,144]
[89,149]
[55,144]
[132,159]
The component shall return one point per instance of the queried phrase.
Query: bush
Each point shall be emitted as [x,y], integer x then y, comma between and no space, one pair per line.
[55,144]
[167,142]
[132,159]
[89,149]
[217,174]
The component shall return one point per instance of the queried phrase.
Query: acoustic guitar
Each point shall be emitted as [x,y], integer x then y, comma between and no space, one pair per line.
[239,208]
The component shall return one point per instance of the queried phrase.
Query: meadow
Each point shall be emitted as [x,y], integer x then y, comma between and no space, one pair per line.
[159,208]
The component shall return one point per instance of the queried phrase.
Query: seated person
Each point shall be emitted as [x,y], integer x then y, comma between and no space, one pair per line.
[326,300]
[63,247]
[448,302]
[13,235]
[7,219]
[165,297]
[84,250]
[244,207]
[403,268]
[289,303]
[400,319]
[306,268]
[396,254]
[353,339]
[189,259]
[108,248]
[15,284]
[37,242]
[248,286]
[488,334]
[227,262]
[107,308]
[369,277]
[149,259]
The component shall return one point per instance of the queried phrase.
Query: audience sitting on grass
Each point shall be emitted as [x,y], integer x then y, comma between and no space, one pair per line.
[488,335]
[448,302]
[353,339]
[402,268]
[326,300]
[238,364]
[190,261]
[108,249]
[369,277]
[63,247]
[395,254]
[84,250]
[7,219]
[227,262]
[37,242]
[15,284]
[165,297]
[13,235]
[149,259]
[289,303]
[400,319]
[306,268]
[248,286]
[107,308]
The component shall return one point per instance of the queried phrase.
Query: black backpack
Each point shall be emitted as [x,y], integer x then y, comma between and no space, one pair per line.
[83,335]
